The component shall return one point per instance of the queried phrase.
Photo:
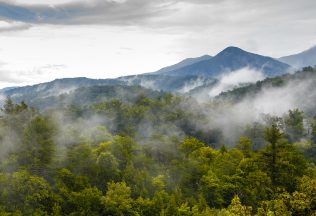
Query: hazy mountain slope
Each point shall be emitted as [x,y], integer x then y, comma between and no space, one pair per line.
[85,96]
[7,89]
[174,84]
[276,95]
[43,92]
[57,87]
[50,93]
[183,63]
[230,59]
[303,59]
[203,72]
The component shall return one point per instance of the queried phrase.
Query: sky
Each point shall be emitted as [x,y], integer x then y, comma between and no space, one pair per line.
[41,40]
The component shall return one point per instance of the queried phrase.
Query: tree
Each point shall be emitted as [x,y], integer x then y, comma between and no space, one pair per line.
[244,146]
[313,129]
[307,186]
[190,144]
[123,148]
[254,185]
[29,194]
[107,168]
[273,136]
[255,132]
[237,209]
[276,206]
[117,200]
[281,160]
[8,107]
[37,148]
[211,188]
[81,161]
[86,202]
[294,125]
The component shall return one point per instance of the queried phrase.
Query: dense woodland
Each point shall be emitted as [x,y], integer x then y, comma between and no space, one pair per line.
[149,157]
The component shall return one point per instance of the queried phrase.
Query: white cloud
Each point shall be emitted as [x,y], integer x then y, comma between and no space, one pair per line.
[234,79]
[8,26]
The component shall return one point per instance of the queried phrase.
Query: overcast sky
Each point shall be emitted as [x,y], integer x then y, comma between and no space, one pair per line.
[41,40]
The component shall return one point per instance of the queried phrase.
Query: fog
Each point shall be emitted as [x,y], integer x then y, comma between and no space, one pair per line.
[234,79]
[232,117]
[192,84]
[215,116]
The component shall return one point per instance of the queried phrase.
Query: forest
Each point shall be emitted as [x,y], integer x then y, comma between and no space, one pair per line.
[154,155]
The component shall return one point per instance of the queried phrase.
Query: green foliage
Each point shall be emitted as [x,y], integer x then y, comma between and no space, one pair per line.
[294,125]
[244,145]
[81,160]
[22,192]
[282,161]
[37,149]
[237,209]
[189,145]
[10,108]
[137,164]
[118,200]
[85,202]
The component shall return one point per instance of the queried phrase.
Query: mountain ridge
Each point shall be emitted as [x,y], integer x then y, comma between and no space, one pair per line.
[302,59]
[189,74]
[230,59]
[183,63]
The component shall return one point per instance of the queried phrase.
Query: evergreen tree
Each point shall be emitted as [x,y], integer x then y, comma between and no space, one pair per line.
[37,149]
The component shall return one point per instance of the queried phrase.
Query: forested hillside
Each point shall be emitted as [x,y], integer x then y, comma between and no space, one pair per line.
[307,74]
[149,153]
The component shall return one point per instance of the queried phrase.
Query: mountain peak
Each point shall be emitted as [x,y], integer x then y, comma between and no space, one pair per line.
[230,59]
[231,50]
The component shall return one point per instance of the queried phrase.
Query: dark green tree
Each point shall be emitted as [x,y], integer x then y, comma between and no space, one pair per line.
[37,149]
[281,160]
[294,125]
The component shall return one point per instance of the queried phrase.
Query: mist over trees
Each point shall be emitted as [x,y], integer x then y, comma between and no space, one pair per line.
[158,154]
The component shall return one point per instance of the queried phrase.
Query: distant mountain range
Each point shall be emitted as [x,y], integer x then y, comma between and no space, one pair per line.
[302,59]
[204,71]
[191,76]
[230,59]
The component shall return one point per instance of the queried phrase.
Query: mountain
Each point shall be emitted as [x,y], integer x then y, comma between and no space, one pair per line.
[302,59]
[161,82]
[183,63]
[192,76]
[81,96]
[231,59]
[54,88]
[7,89]
[59,86]
[202,73]
[78,90]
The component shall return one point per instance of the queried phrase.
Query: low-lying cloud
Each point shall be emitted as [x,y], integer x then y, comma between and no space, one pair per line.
[235,79]
[232,118]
